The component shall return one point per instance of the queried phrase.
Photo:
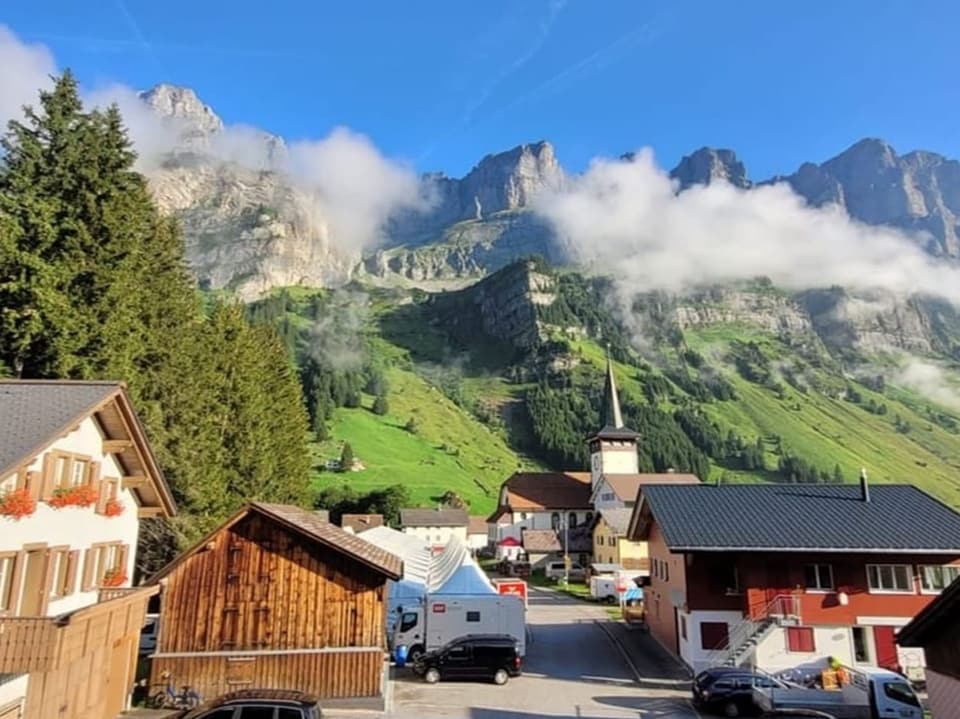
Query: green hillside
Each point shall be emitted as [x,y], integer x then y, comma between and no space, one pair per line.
[468,405]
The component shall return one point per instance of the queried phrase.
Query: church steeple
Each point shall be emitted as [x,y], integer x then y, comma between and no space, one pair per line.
[613,449]
[610,413]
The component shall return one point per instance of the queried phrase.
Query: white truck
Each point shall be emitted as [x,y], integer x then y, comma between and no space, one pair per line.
[443,618]
[870,694]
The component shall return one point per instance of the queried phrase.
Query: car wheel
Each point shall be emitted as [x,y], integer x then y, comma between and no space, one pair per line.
[501,677]
[432,675]
[730,709]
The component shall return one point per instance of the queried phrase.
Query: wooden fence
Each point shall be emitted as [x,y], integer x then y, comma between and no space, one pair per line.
[326,673]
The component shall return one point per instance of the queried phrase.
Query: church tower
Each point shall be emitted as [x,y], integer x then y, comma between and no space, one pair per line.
[613,450]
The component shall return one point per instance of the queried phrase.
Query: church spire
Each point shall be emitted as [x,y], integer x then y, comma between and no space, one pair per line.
[611,415]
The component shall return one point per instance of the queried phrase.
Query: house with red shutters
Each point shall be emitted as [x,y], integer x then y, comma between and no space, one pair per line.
[789,576]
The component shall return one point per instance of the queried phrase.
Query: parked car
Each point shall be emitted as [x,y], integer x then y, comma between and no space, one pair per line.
[728,691]
[554,570]
[809,713]
[148,635]
[258,704]
[475,656]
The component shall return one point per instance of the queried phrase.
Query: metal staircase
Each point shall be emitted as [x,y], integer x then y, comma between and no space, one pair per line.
[742,638]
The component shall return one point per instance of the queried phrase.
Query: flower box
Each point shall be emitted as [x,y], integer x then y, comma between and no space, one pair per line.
[82,495]
[114,578]
[113,508]
[17,504]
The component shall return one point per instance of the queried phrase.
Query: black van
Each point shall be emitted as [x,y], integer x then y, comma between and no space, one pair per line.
[474,656]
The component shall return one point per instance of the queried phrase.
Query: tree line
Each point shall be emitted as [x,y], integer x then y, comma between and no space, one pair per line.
[94,285]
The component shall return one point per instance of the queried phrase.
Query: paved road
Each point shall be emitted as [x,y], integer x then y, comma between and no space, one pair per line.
[572,669]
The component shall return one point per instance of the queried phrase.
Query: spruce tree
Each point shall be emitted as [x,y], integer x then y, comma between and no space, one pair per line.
[346,457]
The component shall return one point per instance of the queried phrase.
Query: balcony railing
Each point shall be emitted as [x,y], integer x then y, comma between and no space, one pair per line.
[27,644]
[31,644]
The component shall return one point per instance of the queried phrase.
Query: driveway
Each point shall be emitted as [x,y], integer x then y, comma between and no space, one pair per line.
[573,669]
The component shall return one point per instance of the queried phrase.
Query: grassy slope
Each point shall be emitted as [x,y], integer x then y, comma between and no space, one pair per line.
[824,430]
[450,451]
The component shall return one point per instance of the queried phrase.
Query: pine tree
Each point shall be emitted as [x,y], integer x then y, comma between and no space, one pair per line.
[346,457]
[380,405]
[837,474]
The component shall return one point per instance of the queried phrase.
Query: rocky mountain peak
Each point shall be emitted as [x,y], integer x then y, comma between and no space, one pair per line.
[509,180]
[708,165]
[182,105]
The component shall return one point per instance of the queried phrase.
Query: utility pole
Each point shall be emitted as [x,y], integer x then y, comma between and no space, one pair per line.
[566,554]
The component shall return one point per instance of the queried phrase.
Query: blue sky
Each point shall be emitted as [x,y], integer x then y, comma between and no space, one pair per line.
[440,83]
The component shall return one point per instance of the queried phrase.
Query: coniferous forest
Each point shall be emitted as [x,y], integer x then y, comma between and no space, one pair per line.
[93,285]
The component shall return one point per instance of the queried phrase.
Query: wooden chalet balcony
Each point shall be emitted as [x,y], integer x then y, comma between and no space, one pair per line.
[36,644]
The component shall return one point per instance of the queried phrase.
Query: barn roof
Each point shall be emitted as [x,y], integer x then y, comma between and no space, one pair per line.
[415,517]
[312,527]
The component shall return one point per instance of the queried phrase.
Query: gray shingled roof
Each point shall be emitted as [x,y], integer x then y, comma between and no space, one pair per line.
[898,518]
[433,518]
[37,412]
[617,519]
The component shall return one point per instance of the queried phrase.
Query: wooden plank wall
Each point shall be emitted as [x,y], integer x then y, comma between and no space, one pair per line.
[328,675]
[95,664]
[260,586]
[27,644]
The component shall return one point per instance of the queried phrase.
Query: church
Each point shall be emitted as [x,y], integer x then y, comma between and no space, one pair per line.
[584,513]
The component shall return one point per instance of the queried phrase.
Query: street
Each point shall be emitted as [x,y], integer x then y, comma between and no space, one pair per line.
[573,668]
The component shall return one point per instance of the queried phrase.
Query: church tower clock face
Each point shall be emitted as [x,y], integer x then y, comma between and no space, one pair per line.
[595,462]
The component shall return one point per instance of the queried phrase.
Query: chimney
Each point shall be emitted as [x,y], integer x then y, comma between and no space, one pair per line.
[864,485]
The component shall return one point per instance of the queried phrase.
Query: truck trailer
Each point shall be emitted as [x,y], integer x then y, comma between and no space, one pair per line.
[440,619]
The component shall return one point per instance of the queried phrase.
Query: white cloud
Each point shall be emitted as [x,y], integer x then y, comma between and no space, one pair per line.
[359,186]
[930,380]
[627,220]
[24,70]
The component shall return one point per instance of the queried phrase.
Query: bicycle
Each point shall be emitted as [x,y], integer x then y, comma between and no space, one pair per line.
[170,699]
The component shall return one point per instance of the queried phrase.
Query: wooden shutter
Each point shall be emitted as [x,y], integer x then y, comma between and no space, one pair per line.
[89,567]
[48,481]
[800,639]
[73,560]
[123,556]
[34,484]
[48,573]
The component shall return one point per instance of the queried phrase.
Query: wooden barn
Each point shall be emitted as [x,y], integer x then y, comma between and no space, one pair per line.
[277,598]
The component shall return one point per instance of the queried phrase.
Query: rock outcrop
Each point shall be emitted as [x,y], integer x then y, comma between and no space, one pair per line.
[708,165]
[918,192]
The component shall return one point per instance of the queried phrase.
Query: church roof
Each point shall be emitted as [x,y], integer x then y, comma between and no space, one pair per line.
[537,491]
[610,413]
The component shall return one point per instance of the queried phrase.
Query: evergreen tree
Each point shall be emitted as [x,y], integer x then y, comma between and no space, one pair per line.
[837,474]
[346,457]
[380,405]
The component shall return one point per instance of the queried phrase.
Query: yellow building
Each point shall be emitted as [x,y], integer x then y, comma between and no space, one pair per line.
[610,543]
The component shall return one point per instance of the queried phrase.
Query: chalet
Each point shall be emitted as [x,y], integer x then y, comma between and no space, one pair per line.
[360,522]
[276,598]
[76,477]
[435,526]
[783,576]
[543,546]
[936,631]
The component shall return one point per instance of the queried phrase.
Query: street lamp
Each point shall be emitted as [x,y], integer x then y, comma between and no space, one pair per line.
[566,554]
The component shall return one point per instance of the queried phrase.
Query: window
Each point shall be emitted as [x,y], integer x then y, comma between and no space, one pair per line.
[64,571]
[256,713]
[935,579]
[713,635]
[725,578]
[572,520]
[607,496]
[473,616]
[101,559]
[555,521]
[800,639]
[288,713]
[408,621]
[889,578]
[666,571]
[78,472]
[457,652]
[8,567]
[225,713]
[861,652]
[901,692]
[683,628]
[819,576]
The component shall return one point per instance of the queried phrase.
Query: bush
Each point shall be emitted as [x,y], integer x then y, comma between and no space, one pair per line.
[380,405]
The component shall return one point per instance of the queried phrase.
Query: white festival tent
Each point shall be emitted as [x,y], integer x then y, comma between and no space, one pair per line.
[452,571]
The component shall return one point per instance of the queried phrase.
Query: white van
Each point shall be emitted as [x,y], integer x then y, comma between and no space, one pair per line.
[554,570]
[148,635]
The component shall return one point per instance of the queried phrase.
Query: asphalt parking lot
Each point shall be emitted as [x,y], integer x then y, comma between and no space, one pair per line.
[573,668]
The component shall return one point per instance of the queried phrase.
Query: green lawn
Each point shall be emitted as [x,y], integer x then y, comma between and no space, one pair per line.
[449,451]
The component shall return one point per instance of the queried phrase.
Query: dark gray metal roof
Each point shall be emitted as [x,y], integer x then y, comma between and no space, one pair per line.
[752,517]
[36,412]
[434,518]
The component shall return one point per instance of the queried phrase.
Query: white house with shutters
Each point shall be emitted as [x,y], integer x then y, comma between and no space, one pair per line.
[76,477]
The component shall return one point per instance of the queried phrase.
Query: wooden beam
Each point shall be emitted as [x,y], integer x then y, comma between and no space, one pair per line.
[134,481]
[148,512]
[115,446]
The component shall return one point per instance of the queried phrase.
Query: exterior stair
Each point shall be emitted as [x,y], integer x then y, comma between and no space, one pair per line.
[743,637]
